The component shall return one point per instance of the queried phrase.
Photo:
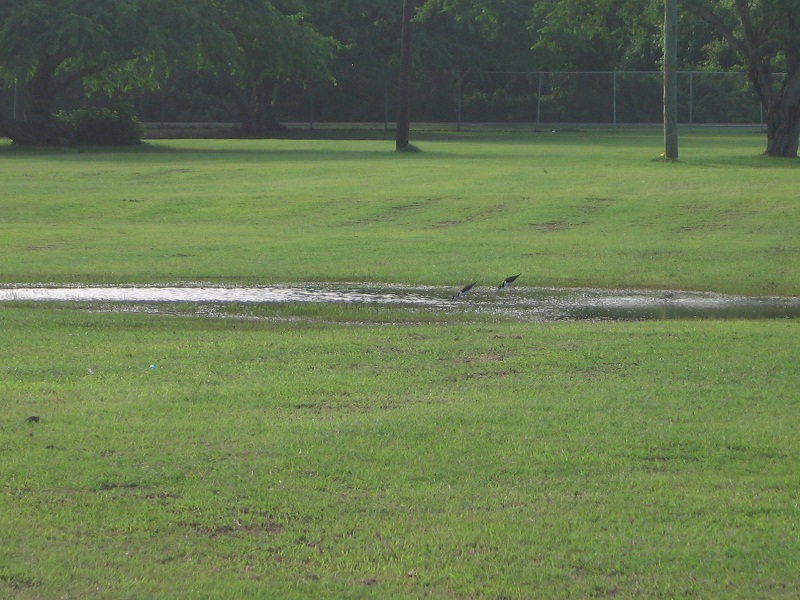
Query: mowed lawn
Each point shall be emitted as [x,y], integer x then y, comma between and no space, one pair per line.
[372,452]
[566,209]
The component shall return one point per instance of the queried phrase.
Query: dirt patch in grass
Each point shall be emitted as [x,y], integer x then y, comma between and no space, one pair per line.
[552,226]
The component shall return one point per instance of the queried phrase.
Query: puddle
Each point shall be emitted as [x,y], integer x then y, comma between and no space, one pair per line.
[218,295]
[525,303]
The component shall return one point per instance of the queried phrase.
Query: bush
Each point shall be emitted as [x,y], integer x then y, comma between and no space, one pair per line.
[104,126]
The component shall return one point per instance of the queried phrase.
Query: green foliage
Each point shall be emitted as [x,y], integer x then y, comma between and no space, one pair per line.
[104,126]
[72,40]
[598,36]
[112,46]
[464,35]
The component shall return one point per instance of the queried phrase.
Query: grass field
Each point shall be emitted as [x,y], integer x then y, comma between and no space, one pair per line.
[566,209]
[369,452]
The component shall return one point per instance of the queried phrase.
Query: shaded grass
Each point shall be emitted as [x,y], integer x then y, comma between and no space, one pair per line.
[566,209]
[451,460]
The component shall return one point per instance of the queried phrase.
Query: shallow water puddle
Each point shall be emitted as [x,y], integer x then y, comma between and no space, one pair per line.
[526,303]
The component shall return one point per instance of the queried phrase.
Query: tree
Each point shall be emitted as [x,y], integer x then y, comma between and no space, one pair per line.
[100,44]
[111,46]
[274,43]
[766,34]
[459,42]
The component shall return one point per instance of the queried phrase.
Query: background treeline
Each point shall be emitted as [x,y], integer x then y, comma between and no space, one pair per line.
[263,63]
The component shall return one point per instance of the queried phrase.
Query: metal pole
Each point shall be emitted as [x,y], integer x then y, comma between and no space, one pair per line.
[614,97]
[691,99]
[539,101]
[15,100]
[460,85]
[311,105]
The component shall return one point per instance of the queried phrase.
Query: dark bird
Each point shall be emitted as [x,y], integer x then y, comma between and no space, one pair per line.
[508,281]
[464,291]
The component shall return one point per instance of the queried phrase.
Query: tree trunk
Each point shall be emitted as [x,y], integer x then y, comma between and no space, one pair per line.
[782,107]
[783,131]
[257,115]
[783,118]
[41,128]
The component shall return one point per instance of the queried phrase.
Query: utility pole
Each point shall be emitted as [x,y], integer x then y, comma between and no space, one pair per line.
[404,90]
[670,79]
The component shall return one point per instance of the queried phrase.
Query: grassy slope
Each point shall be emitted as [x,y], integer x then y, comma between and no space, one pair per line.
[567,209]
[471,460]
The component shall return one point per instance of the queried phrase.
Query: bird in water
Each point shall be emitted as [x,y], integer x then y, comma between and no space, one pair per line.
[508,281]
[464,291]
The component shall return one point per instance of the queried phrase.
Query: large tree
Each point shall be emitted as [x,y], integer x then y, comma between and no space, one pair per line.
[766,34]
[52,45]
[275,42]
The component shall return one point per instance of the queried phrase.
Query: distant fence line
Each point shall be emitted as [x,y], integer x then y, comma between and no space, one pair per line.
[535,97]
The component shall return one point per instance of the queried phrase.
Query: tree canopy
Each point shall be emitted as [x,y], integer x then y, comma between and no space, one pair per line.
[272,42]
[255,46]
[111,45]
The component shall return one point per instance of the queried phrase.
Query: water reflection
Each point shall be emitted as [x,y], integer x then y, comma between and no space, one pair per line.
[527,303]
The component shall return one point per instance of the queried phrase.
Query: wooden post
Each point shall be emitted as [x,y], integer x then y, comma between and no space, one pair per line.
[670,79]
[404,90]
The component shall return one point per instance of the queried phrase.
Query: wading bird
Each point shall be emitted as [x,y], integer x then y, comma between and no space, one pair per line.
[508,281]
[464,291]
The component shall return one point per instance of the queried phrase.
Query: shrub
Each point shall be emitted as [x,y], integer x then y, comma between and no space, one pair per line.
[104,126]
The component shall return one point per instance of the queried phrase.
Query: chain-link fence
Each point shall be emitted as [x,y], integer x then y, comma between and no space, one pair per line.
[537,98]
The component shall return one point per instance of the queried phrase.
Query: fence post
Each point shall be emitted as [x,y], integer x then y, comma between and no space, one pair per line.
[460,86]
[614,96]
[386,105]
[539,100]
[14,113]
[691,99]
[310,104]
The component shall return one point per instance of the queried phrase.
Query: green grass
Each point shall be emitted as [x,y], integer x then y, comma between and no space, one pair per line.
[337,451]
[449,460]
[566,209]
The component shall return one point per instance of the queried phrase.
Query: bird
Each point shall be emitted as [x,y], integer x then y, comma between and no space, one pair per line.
[464,291]
[508,281]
